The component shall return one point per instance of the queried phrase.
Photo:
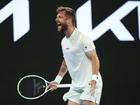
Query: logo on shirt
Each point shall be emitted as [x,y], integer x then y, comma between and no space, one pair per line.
[85,47]
[67,48]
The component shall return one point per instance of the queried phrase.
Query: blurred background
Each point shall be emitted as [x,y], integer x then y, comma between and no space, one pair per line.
[38,50]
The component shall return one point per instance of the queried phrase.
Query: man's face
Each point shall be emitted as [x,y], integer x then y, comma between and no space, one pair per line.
[61,22]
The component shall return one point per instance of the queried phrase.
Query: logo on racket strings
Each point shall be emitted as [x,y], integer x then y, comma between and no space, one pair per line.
[37,87]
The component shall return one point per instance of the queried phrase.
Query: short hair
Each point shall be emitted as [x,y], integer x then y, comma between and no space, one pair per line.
[69,11]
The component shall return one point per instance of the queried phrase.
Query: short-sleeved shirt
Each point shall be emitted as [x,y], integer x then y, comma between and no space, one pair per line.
[79,66]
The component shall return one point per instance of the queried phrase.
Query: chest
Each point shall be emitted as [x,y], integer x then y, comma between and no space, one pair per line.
[72,47]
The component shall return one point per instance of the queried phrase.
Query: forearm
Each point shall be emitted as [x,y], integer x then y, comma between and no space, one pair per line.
[92,55]
[63,69]
[61,73]
[95,65]
[59,77]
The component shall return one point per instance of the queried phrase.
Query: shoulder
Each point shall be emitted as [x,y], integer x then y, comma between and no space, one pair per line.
[82,34]
[85,36]
[63,40]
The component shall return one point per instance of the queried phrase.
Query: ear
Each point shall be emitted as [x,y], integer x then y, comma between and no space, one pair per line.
[69,21]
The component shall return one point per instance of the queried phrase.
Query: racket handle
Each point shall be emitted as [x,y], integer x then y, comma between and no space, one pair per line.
[63,85]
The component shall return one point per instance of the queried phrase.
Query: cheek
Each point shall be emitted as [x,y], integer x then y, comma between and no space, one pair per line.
[61,20]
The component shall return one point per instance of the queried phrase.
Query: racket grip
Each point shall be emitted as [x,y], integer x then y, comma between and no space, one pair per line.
[63,85]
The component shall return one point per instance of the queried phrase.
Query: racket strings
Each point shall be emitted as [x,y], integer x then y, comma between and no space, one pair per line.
[34,86]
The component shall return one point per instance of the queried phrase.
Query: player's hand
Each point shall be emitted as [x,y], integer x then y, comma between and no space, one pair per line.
[52,85]
[92,88]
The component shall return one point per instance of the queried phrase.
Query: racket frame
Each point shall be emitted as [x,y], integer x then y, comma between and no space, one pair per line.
[46,89]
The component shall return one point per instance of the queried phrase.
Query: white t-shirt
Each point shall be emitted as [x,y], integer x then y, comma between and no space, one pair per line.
[79,66]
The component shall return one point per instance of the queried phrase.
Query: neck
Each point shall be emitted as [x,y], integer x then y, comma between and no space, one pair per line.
[69,31]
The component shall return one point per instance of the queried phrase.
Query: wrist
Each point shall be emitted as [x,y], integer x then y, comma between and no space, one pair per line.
[58,79]
[94,77]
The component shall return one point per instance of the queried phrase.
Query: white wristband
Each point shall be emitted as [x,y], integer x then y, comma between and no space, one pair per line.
[58,79]
[94,77]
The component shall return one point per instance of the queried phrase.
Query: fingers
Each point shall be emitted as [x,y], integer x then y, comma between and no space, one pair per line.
[92,91]
[92,87]
[52,85]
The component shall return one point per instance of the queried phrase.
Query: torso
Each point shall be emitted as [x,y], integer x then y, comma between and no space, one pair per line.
[79,66]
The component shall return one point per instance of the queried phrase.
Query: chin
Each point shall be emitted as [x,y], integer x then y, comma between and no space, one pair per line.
[59,30]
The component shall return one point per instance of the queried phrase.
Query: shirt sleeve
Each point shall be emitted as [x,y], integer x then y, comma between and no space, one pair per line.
[87,43]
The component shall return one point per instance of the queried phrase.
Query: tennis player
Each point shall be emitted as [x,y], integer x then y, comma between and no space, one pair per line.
[80,60]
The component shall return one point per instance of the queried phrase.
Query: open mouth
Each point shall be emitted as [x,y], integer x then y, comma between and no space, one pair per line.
[58,24]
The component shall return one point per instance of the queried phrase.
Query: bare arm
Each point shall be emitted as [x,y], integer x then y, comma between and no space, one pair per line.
[63,69]
[92,55]
[59,77]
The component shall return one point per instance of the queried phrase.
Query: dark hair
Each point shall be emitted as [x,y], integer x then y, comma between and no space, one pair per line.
[69,11]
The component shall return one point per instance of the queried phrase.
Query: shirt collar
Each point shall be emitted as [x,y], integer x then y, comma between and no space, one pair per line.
[73,35]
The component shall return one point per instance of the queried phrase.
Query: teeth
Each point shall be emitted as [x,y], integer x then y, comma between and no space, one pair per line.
[59,24]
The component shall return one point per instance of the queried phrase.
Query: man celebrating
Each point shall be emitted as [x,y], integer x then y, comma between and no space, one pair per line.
[80,60]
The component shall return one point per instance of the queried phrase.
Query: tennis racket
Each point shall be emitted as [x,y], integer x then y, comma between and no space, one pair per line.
[34,86]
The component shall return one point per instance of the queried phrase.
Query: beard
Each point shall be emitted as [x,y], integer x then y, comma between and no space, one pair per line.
[62,28]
